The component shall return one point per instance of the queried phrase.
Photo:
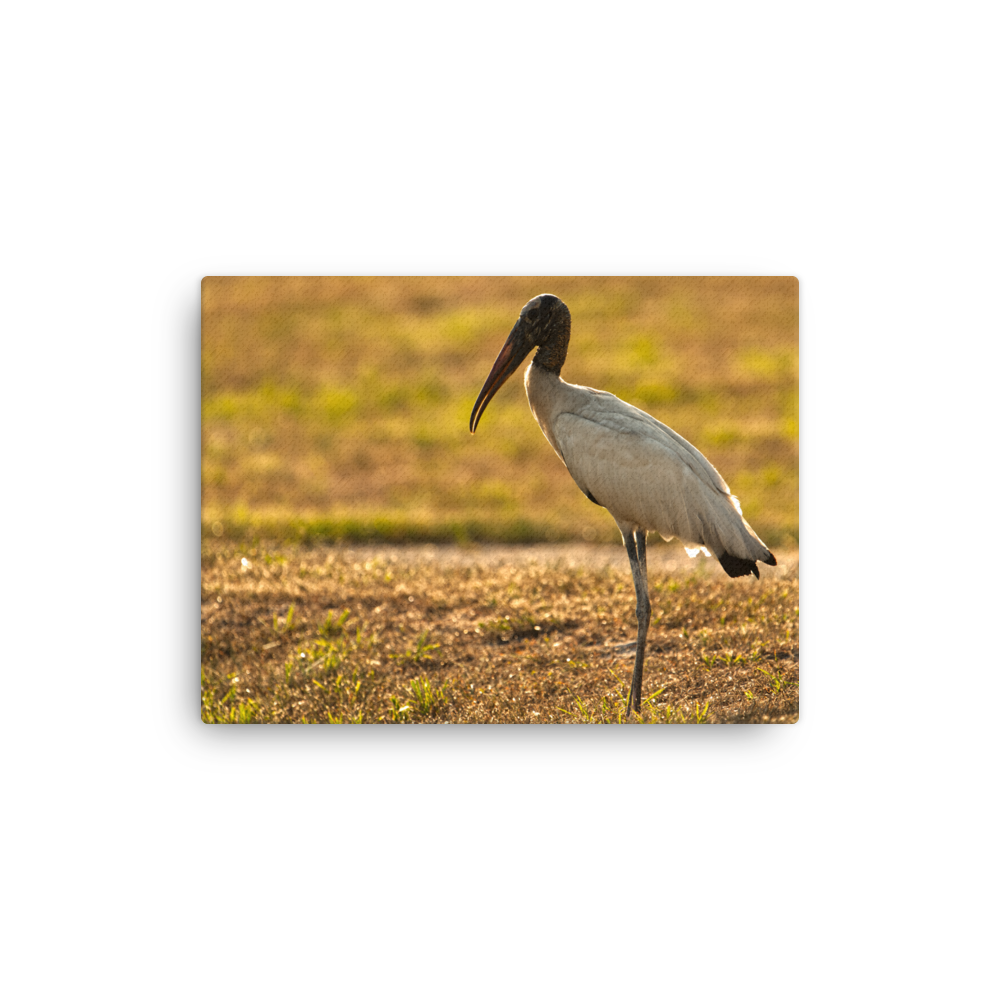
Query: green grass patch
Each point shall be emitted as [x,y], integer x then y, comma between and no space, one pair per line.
[338,409]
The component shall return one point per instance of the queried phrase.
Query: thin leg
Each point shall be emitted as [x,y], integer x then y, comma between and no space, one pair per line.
[636,548]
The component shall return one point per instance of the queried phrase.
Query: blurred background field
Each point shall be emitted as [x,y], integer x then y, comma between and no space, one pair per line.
[338,408]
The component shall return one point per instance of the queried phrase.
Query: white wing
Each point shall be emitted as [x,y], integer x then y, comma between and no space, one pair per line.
[648,476]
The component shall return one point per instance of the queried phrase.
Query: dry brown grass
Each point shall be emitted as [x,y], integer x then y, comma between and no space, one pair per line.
[498,634]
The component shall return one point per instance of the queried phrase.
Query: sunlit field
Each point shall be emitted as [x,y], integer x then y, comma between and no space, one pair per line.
[336,447]
[339,408]
[403,634]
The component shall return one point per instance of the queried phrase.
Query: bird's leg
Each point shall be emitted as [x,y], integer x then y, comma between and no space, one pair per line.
[635,545]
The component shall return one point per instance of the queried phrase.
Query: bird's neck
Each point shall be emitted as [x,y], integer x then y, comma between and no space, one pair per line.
[552,354]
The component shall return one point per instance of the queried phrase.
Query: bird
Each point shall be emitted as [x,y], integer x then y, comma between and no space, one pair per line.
[646,475]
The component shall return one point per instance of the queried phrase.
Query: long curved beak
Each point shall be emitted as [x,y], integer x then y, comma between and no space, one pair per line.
[513,352]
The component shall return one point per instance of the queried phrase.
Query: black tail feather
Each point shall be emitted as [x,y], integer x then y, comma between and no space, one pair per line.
[735,566]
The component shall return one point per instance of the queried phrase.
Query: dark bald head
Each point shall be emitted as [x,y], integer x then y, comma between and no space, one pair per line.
[543,323]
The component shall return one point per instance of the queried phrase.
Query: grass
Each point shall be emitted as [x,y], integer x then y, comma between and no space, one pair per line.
[337,409]
[347,634]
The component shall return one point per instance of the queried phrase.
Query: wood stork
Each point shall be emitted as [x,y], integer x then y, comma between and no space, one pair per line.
[646,475]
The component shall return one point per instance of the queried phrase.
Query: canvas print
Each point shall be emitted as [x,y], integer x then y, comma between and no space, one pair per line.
[500,500]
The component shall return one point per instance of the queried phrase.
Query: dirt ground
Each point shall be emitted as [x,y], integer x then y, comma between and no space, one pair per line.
[490,634]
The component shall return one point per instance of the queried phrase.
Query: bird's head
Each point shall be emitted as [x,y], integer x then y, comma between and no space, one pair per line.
[543,323]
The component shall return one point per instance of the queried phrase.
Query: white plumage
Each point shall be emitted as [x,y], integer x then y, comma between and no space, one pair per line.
[646,475]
